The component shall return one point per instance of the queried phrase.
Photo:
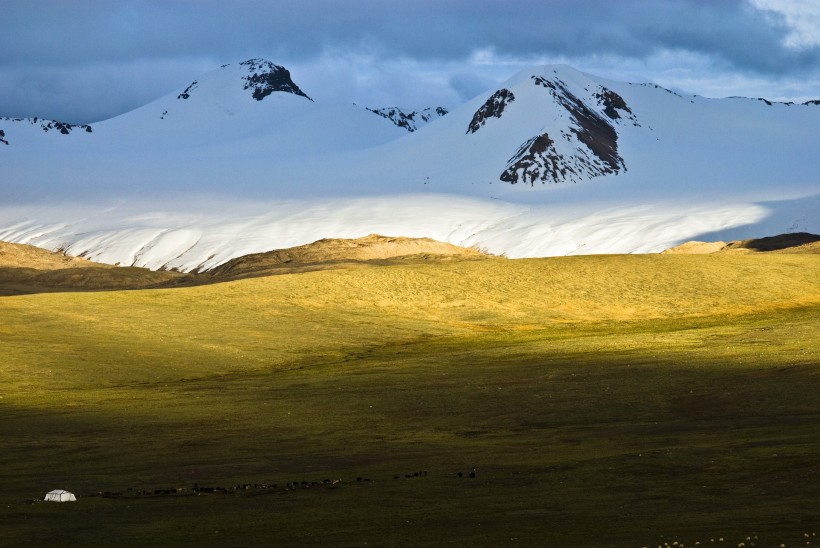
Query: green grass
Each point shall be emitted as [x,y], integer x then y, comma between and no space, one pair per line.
[604,401]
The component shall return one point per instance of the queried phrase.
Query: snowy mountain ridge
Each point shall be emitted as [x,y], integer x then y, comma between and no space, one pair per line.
[552,161]
[412,120]
[46,125]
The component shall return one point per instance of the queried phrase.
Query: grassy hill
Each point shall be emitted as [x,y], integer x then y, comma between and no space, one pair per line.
[602,400]
[798,242]
[28,269]
[332,253]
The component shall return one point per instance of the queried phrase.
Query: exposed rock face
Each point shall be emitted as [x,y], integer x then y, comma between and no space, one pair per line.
[264,78]
[535,161]
[411,121]
[3,137]
[599,137]
[492,108]
[812,102]
[612,103]
[539,160]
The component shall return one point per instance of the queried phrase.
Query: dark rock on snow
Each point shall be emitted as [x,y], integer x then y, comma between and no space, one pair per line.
[492,108]
[412,120]
[267,77]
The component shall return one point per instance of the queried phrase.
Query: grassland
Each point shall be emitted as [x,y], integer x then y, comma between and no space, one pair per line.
[603,401]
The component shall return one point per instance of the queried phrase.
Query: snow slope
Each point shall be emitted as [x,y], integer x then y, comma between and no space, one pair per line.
[552,162]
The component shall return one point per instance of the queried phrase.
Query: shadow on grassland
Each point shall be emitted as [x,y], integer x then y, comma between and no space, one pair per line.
[575,448]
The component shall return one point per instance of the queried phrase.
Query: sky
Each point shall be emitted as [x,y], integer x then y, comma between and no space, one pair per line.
[83,61]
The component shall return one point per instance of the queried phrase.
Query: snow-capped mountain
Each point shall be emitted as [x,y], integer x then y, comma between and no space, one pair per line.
[551,162]
[238,125]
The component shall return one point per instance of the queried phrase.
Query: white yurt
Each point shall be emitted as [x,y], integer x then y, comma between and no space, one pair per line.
[60,495]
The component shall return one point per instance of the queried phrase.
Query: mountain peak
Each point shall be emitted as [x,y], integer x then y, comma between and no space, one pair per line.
[563,72]
[265,77]
[578,139]
[259,76]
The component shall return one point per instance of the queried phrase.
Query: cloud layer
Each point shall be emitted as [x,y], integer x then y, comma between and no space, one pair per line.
[90,59]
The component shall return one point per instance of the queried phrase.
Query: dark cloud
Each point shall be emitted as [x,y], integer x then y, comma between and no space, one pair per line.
[82,31]
[42,43]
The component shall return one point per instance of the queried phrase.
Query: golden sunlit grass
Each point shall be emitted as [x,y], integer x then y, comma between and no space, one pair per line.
[609,400]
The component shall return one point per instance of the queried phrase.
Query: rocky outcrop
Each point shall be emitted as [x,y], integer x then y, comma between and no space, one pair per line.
[492,108]
[62,127]
[46,125]
[613,104]
[536,161]
[411,121]
[186,94]
[262,79]
[265,78]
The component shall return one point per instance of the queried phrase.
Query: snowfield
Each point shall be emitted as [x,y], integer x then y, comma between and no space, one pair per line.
[201,235]
[568,164]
